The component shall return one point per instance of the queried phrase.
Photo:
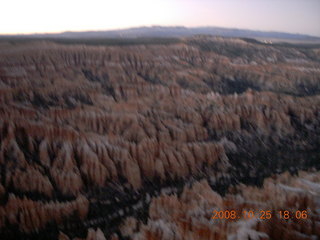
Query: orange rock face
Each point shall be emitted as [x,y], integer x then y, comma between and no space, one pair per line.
[190,215]
[32,215]
[89,134]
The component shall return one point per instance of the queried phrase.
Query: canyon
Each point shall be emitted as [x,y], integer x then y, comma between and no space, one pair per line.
[102,142]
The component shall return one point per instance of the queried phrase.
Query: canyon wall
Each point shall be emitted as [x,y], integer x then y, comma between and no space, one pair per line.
[80,120]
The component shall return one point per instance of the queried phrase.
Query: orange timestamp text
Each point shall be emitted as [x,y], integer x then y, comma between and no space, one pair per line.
[261,214]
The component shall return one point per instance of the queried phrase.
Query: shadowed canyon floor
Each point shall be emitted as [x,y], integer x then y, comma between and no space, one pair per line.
[143,141]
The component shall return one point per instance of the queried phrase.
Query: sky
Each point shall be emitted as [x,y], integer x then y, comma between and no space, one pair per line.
[42,16]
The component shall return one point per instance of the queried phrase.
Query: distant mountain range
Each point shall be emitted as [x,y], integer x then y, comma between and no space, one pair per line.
[169,32]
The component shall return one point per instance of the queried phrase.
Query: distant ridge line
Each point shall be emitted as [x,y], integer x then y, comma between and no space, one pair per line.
[168,32]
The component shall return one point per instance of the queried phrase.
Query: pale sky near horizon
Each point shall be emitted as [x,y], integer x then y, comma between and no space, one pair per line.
[39,16]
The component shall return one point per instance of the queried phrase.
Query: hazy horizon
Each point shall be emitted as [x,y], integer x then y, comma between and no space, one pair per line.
[35,16]
[150,26]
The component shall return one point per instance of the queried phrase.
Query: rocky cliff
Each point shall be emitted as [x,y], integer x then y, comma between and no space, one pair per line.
[189,216]
[88,134]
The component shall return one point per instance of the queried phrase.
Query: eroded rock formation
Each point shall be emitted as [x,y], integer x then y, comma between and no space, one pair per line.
[81,127]
[190,215]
